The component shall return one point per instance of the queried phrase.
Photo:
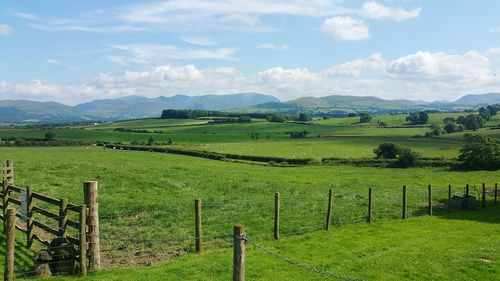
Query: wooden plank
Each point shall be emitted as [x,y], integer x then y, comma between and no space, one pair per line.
[73,224]
[46,213]
[15,188]
[82,247]
[10,233]
[20,228]
[15,201]
[74,208]
[45,242]
[73,240]
[45,227]
[46,199]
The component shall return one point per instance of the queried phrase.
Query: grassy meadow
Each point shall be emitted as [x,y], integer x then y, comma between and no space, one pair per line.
[146,200]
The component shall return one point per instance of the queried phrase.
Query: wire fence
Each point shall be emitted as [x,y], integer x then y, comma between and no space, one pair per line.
[143,233]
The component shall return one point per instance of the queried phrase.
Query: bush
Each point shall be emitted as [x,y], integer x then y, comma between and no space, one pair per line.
[419,118]
[387,150]
[480,152]
[365,118]
[407,158]
[49,136]
[452,128]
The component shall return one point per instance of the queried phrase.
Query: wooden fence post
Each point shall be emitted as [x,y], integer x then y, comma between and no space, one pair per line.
[329,211]
[466,203]
[63,216]
[239,253]
[10,220]
[83,241]
[197,225]
[5,201]
[404,203]
[91,201]
[370,205]
[9,171]
[483,197]
[29,218]
[496,193]
[276,215]
[449,198]
[430,199]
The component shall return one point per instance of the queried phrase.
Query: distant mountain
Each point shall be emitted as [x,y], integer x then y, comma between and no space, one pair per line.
[13,111]
[23,110]
[340,105]
[135,106]
[482,99]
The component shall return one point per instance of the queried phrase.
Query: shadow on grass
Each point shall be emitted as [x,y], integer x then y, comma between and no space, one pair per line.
[489,214]
[23,257]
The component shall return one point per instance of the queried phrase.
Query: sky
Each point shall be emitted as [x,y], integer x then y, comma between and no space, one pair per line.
[78,51]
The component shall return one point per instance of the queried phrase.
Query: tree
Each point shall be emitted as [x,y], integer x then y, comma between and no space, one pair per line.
[170,141]
[407,158]
[304,117]
[473,122]
[452,128]
[485,113]
[244,119]
[351,114]
[49,136]
[480,152]
[494,108]
[418,118]
[449,120]
[277,118]
[460,120]
[387,150]
[151,141]
[364,118]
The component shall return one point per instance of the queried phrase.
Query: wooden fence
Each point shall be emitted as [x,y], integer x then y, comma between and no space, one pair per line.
[31,204]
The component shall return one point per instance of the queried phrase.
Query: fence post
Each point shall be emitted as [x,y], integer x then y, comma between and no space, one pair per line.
[496,193]
[483,197]
[10,220]
[466,203]
[430,199]
[5,201]
[276,215]
[29,218]
[370,205]
[9,171]
[404,203]
[329,211]
[197,225]
[449,198]
[91,200]
[63,216]
[83,241]
[239,253]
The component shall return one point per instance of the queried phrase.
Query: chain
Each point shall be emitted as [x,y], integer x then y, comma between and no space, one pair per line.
[294,263]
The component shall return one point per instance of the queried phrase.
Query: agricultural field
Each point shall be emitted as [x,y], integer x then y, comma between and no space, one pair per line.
[147,212]
[146,207]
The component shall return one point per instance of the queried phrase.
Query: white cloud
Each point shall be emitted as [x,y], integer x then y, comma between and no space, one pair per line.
[244,19]
[423,66]
[495,29]
[199,41]
[53,61]
[356,67]
[271,46]
[374,10]
[156,54]
[346,29]
[5,30]
[422,75]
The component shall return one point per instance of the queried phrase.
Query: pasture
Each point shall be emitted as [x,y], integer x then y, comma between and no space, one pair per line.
[146,199]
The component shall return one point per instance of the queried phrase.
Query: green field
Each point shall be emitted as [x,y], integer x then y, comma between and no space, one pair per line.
[146,200]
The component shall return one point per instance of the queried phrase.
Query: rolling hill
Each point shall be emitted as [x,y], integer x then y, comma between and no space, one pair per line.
[131,107]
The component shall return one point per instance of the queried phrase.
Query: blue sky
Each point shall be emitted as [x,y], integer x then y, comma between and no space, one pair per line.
[76,51]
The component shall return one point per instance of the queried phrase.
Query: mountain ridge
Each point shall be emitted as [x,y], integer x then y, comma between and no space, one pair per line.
[130,107]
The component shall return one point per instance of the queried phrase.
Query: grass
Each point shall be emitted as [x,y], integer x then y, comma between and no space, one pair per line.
[150,195]
[146,200]
[459,246]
